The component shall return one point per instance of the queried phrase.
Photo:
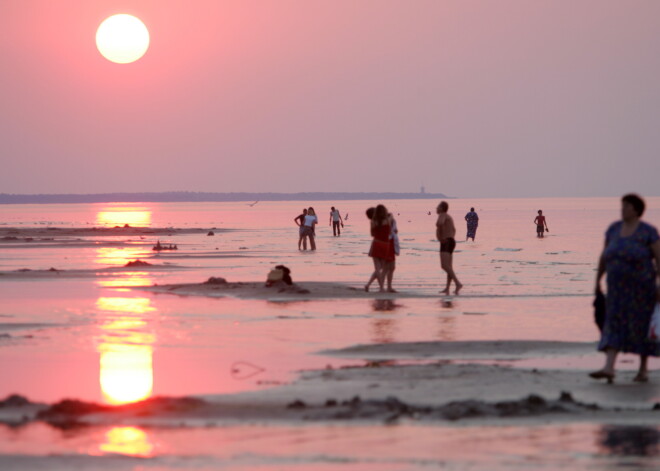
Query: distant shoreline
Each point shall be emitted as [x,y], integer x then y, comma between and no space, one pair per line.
[198,197]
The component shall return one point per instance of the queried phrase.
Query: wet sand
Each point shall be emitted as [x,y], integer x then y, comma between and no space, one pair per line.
[308,290]
[28,274]
[386,392]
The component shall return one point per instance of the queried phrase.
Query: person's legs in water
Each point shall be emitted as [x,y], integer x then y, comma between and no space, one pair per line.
[380,263]
[336,231]
[446,265]
[302,240]
[373,277]
[389,275]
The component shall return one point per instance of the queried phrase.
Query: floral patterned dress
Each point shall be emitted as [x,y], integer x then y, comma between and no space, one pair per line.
[631,290]
[472,224]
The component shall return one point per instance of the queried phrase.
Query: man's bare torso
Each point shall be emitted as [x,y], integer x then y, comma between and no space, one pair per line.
[445,227]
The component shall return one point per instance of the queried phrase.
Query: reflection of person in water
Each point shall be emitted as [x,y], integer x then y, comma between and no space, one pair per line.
[630,440]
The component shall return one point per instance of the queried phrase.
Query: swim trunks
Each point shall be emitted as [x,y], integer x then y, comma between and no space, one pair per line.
[448,245]
[539,228]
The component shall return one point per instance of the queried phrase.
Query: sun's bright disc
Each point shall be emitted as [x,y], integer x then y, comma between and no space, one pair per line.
[122,38]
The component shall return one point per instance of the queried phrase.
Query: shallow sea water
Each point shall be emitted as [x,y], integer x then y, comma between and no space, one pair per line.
[95,339]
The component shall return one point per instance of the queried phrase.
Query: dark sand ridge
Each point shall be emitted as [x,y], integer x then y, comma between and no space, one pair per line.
[54,237]
[219,287]
[440,391]
[28,274]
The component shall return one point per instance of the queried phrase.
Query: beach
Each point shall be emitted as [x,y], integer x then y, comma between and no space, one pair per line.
[125,357]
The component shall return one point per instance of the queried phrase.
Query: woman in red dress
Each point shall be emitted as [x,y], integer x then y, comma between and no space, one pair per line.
[382,248]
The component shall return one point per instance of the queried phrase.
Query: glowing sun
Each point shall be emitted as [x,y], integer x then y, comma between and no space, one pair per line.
[122,38]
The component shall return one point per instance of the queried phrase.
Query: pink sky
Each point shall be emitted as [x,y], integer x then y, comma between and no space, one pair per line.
[469,98]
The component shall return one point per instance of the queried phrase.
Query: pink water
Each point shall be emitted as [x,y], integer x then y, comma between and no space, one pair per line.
[96,340]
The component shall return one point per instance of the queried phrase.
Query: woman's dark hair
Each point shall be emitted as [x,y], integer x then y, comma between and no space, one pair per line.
[370,212]
[472,209]
[380,215]
[636,202]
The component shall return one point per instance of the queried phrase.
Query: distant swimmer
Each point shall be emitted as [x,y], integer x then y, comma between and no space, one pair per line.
[429,213]
[472,223]
[540,222]
[445,231]
[346,217]
[336,221]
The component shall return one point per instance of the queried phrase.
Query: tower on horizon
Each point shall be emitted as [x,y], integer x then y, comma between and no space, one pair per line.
[422,190]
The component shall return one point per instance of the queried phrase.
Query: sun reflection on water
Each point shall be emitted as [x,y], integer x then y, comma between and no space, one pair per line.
[126,348]
[118,256]
[126,373]
[129,441]
[122,215]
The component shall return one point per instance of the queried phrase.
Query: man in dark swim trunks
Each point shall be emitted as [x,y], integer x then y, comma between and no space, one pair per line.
[445,232]
[540,222]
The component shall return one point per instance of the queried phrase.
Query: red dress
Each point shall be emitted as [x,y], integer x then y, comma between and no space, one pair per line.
[382,246]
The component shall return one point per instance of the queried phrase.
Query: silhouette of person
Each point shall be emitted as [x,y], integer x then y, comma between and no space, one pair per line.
[631,248]
[540,222]
[472,223]
[302,238]
[382,247]
[308,227]
[445,232]
[336,221]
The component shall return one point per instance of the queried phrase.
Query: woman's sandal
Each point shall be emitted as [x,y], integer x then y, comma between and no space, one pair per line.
[641,378]
[600,374]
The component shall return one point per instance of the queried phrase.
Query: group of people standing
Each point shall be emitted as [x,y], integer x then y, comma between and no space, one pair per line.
[307,222]
[385,246]
[630,258]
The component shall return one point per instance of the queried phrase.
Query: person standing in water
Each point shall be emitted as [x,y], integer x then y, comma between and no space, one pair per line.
[301,229]
[540,222]
[308,227]
[382,248]
[445,232]
[472,223]
[336,221]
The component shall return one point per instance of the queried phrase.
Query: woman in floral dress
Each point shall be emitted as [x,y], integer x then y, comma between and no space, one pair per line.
[472,223]
[630,247]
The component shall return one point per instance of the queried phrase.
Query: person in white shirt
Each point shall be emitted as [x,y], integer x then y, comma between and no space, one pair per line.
[336,221]
[310,221]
